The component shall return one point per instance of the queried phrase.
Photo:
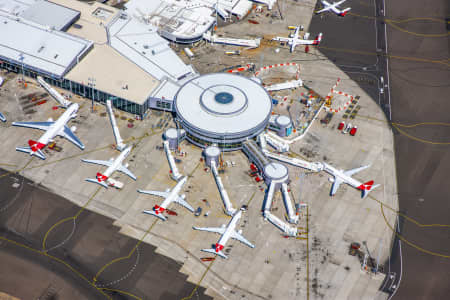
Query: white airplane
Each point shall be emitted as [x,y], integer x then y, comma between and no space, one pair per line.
[334,8]
[170,196]
[227,232]
[341,176]
[52,129]
[113,165]
[2,117]
[293,40]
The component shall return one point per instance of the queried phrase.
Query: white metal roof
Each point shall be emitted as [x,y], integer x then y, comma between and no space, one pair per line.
[176,19]
[180,20]
[141,44]
[50,14]
[275,170]
[171,133]
[212,151]
[48,50]
[15,7]
[283,120]
[223,103]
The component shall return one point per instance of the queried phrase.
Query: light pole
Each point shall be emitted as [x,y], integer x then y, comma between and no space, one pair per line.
[21,58]
[91,83]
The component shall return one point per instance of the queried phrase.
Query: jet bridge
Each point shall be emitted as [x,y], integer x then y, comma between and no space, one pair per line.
[119,142]
[175,174]
[284,85]
[313,166]
[57,96]
[277,144]
[288,230]
[229,210]
[293,218]
[213,38]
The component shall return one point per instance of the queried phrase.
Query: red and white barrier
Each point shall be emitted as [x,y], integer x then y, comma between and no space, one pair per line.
[245,68]
[342,107]
[277,66]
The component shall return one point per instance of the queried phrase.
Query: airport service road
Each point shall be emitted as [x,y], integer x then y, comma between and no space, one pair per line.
[415,52]
[28,211]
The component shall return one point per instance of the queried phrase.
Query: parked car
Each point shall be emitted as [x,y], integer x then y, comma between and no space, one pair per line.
[341,125]
[353,131]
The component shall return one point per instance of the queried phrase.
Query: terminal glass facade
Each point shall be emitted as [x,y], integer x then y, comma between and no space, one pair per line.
[76,88]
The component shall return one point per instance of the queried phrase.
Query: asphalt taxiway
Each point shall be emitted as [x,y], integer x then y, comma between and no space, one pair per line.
[66,259]
[411,42]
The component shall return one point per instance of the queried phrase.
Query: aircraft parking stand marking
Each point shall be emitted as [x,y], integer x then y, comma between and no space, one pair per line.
[74,218]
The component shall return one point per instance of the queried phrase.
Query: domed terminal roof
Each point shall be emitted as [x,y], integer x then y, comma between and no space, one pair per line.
[223,105]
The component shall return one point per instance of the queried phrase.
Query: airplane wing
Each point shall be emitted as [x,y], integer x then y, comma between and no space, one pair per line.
[155,193]
[354,171]
[219,230]
[336,184]
[105,163]
[326,7]
[335,10]
[126,171]
[182,202]
[36,125]
[68,134]
[323,10]
[340,2]
[281,39]
[293,46]
[237,236]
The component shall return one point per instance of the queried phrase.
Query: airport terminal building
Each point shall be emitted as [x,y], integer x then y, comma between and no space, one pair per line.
[101,53]
[222,109]
[92,50]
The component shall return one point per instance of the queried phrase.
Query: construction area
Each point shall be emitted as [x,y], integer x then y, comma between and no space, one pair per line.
[308,244]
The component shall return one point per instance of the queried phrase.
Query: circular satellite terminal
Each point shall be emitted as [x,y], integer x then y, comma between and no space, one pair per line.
[283,121]
[212,151]
[275,171]
[171,133]
[222,109]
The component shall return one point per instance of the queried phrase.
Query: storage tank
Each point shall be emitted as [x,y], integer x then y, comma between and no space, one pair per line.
[277,173]
[211,153]
[285,125]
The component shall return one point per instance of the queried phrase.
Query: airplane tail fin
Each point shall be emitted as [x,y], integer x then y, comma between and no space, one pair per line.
[344,12]
[102,183]
[318,39]
[151,212]
[213,251]
[367,187]
[37,153]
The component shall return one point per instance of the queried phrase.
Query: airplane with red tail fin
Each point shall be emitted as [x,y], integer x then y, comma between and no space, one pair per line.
[334,8]
[293,40]
[226,232]
[341,176]
[52,129]
[169,197]
[113,165]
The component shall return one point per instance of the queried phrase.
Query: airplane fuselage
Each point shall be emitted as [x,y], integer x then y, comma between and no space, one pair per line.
[340,173]
[174,193]
[228,232]
[117,162]
[59,124]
